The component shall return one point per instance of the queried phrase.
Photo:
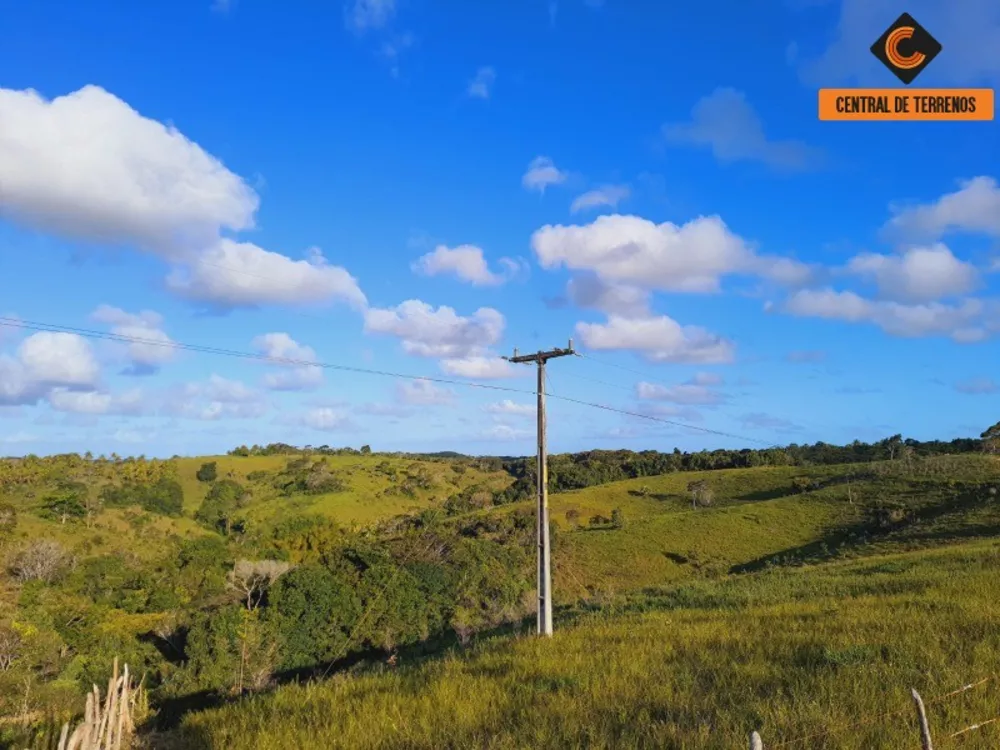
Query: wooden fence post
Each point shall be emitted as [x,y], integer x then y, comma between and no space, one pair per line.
[755,742]
[925,730]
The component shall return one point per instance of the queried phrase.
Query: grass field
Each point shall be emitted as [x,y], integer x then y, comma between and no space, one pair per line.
[369,495]
[796,608]
[820,649]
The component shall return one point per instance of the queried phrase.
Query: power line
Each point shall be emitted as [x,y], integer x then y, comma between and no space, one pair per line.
[180,346]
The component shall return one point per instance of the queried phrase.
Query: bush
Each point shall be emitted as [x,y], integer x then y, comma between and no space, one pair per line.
[617,518]
[208,472]
[42,560]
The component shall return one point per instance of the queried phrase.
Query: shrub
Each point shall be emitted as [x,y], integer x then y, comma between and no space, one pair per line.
[42,560]
[208,472]
[617,518]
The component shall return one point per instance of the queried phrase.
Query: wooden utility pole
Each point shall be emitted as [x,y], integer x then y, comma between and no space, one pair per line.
[544,551]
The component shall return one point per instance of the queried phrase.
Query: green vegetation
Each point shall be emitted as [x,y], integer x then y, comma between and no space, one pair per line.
[691,605]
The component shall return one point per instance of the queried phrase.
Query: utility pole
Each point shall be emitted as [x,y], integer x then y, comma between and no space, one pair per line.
[544,551]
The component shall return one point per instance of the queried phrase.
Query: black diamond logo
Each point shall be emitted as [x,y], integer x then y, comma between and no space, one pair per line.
[906,48]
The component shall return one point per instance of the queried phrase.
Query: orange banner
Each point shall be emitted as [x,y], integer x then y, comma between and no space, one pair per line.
[905,104]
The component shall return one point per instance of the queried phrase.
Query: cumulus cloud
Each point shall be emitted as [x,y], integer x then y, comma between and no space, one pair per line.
[241,274]
[973,208]
[920,274]
[658,339]
[88,167]
[426,332]
[481,86]
[154,348]
[589,291]
[963,322]
[665,257]
[606,195]
[542,172]
[293,376]
[96,402]
[467,263]
[45,361]
[726,123]
[214,399]
[479,367]
[326,419]
[423,393]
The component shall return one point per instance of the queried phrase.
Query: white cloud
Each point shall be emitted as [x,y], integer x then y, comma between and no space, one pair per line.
[973,208]
[467,263]
[659,339]
[510,408]
[962,321]
[671,411]
[632,250]
[764,421]
[479,367]
[606,195]
[978,387]
[426,332]
[363,15]
[921,274]
[968,30]
[587,290]
[383,410]
[241,274]
[214,399]
[89,167]
[326,419]
[725,122]
[145,358]
[59,359]
[95,402]
[687,394]
[423,393]
[292,377]
[480,87]
[542,172]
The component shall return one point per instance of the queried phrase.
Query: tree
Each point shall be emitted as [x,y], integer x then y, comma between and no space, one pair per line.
[42,560]
[991,439]
[252,579]
[68,501]
[10,647]
[314,611]
[222,504]
[208,472]
[701,494]
[366,450]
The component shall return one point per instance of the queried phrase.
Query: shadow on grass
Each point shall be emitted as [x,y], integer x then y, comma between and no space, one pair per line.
[912,529]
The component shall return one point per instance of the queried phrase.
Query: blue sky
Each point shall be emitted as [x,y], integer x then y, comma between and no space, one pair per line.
[419,187]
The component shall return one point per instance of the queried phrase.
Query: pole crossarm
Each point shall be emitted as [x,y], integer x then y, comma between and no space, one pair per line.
[541,356]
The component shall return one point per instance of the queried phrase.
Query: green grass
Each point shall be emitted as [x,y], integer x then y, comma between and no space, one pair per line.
[788,652]
[368,498]
[662,643]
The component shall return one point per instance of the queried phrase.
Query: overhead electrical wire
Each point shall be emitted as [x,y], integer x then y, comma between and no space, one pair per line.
[170,344]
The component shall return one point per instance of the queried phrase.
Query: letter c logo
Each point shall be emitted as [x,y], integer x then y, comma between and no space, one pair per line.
[902,62]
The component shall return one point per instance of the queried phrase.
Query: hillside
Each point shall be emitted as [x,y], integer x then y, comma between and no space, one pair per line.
[353,557]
